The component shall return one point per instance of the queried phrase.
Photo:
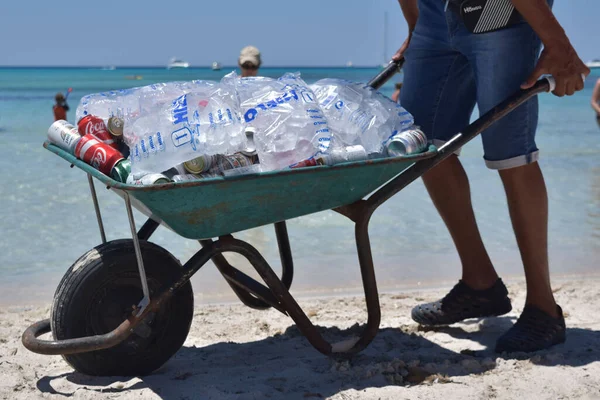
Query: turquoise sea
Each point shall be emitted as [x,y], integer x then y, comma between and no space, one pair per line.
[48,220]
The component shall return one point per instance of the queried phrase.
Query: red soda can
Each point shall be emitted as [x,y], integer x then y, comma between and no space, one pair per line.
[98,154]
[92,125]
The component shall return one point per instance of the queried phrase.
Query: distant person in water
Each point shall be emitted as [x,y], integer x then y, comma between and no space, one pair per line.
[596,101]
[396,94]
[61,107]
[249,61]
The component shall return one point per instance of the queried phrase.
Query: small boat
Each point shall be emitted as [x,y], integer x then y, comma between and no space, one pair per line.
[216,66]
[109,68]
[593,64]
[175,63]
[349,64]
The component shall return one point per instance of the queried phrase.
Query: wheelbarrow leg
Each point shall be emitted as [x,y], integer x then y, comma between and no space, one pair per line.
[281,292]
[97,208]
[138,254]
[367,271]
[147,229]
[287,268]
[245,297]
[285,253]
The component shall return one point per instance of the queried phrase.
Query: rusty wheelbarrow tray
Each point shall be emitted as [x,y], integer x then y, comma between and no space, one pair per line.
[211,210]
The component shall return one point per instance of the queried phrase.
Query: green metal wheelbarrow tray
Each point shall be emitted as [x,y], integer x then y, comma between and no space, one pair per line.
[99,323]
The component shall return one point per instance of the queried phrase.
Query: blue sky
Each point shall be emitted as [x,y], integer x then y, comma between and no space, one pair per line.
[300,33]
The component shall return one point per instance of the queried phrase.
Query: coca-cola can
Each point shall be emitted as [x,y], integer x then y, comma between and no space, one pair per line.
[64,135]
[92,125]
[98,154]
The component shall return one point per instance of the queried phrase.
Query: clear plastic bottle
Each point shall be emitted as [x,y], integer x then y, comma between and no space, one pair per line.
[289,124]
[206,120]
[358,114]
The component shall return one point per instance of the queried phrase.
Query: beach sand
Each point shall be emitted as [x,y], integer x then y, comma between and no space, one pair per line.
[233,352]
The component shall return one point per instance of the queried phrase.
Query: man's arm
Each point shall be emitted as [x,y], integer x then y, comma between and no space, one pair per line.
[596,98]
[411,14]
[559,58]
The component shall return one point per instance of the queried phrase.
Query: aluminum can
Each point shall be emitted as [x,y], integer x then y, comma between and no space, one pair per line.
[185,178]
[199,164]
[121,171]
[64,135]
[92,125]
[176,170]
[98,154]
[191,177]
[115,126]
[407,142]
[237,160]
[148,179]
[346,154]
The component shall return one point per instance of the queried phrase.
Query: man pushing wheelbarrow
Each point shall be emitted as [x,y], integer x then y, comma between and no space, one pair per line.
[465,52]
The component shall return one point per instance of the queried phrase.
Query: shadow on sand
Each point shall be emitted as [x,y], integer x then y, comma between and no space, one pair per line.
[285,365]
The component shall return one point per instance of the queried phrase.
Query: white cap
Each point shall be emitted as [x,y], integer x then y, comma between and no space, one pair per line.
[250,54]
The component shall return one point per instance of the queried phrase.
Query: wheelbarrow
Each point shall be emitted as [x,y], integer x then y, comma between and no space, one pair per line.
[125,307]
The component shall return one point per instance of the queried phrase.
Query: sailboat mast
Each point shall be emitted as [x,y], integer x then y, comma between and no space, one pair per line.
[385,37]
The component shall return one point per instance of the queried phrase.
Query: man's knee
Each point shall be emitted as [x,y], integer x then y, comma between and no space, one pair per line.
[444,171]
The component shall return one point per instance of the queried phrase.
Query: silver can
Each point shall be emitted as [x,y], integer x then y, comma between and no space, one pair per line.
[148,179]
[237,160]
[191,177]
[115,126]
[200,164]
[346,154]
[411,141]
[64,135]
[176,170]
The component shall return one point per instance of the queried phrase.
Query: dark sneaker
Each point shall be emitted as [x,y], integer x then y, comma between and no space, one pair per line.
[534,330]
[462,303]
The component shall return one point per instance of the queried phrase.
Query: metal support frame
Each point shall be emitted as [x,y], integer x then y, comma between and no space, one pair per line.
[97,208]
[147,229]
[138,255]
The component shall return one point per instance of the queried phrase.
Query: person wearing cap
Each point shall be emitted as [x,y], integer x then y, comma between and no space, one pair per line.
[249,61]
[61,107]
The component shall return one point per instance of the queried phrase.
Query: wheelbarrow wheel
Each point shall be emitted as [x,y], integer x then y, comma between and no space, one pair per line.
[97,294]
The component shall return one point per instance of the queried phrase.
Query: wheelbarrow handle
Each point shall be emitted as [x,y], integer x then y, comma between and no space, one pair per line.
[392,68]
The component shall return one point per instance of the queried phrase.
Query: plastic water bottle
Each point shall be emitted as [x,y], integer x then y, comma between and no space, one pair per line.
[359,115]
[121,103]
[206,120]
[129,104]
[289,123]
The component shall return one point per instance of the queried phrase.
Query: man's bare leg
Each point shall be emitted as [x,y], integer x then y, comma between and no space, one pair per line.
[449,189]
[528,206]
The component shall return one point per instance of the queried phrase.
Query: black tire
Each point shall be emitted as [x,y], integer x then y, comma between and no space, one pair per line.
[98,292]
